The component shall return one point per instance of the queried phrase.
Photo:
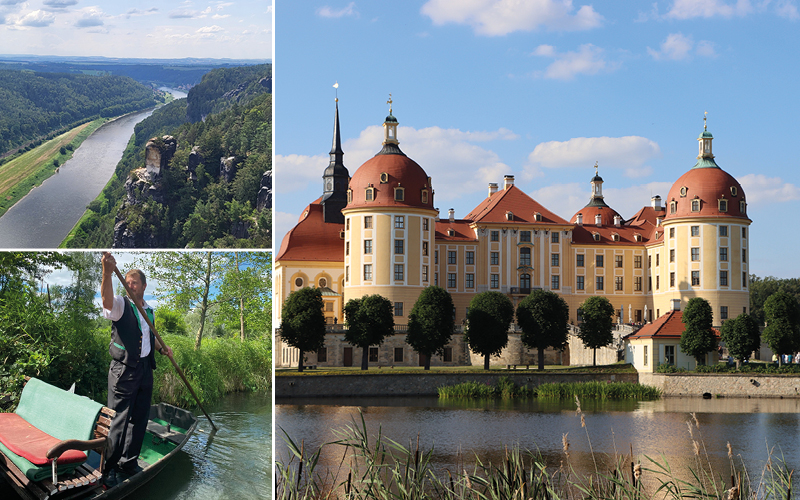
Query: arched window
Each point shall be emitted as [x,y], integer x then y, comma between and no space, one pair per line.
[525,281]
[369,194]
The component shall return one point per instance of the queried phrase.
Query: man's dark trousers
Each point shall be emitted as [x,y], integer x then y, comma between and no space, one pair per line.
[130,389]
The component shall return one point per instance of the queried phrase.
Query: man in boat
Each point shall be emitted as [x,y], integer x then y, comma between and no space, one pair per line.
[130,376]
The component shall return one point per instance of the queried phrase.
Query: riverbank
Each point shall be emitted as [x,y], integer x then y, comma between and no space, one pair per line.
[357,384]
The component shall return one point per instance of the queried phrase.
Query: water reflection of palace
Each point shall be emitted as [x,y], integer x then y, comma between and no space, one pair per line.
[379,232]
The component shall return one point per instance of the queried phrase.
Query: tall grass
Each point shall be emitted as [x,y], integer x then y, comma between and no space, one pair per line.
[379,468]
[222,366]
[506,388]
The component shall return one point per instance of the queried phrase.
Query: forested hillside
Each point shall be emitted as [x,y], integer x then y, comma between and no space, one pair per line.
[33,105]
[207,193]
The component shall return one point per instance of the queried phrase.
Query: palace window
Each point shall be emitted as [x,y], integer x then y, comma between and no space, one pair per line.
[579,283]
[618,261]
[525,281]
[672,255]
[524,256]
[322,355]
[425,224]
[723,205]
[669,354]
[495,235]
[723,254]
[695,230]
[469,280]
[367,272]
[448,355]
[525,236]
[658,282]
[658,259]
[637,261]
[425,273]
[734,191]
[673,207]
[744,280]
[367,246]
[744,255]
[695,254]
[723,312]
[696,205]
[637,283]
[367,222]
[494,258]
[723,230]
[683,191]
[373,354]
[470,258]
[399,247]
[554,237]
[347,248]
[436,257]
[579,260]
[723,278]
[425,248]
[346,274]
[451,256]
[349,197]
[399,222]
[323,282]
[596,236]
[744,232]
[742,207]
[672,279]
[672,232]
[451,280]
[399,272]
[695,278]
[298,282]
[425,196]
[555,282]
[554,260]
[399,194]
[369,194]
[618,283]
[598,283]
[494,281]
[398,308]
[398,354]
[598,260]
[384,177]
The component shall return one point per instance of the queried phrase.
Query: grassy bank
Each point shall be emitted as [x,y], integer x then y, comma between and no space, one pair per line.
[418,370]
[506,388]
[379,468]
[220,367]
[21,174]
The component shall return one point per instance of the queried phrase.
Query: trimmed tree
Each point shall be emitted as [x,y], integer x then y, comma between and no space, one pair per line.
[741,336]
[369,320]
[303,322]
[782,333]
[543,317]
[490,314]
[596,329]
[431,323]
[698,337]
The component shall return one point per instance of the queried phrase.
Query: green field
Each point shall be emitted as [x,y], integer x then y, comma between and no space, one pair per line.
[23,173]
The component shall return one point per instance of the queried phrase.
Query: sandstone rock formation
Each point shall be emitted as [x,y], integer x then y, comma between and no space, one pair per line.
[157,153]
[265,192]
[227,168]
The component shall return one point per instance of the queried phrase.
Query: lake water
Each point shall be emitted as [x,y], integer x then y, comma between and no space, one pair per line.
[458,432]
[44,217]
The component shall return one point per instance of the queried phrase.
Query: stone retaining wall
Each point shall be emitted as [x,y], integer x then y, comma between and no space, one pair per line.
[729,386]
[412,384]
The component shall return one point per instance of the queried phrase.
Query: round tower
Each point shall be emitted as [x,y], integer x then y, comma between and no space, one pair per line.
[706,234]
[389,227]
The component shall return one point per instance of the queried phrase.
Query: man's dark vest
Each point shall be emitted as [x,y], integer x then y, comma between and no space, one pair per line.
[126,338]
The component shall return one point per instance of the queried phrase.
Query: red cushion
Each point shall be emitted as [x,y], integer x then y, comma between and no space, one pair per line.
[30,443]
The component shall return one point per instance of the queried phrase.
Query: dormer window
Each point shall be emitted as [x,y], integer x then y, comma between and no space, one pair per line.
[615,236]
[734,191]
[369,194]
[637,237]
[537,217]
[723,205]
[509,216]
[450,232]
[696,205]
[683,192]
[399,194]
[424,196]
[742,207]
[673,207]
[596,236]
[384,177]
[349,196]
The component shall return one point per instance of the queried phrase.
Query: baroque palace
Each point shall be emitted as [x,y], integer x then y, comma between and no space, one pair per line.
[378,232]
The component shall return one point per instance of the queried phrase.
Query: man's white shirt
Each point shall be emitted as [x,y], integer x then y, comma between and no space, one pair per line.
[115,313]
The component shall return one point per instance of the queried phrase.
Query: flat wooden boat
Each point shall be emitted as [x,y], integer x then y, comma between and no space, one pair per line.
[168,430]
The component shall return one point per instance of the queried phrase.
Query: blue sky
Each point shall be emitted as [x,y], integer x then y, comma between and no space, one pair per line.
[543,89]
[114,28]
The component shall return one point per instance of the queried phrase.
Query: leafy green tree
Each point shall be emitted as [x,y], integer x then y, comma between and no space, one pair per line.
[698,337]
[431,323]
[762,288]
[246,295]
[170,321]
[490,314]
[596,329]
[742,336]
[303,322]
[543,317]
[782,332]
[369,320]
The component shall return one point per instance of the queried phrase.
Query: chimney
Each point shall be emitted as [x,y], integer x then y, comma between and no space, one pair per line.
[598,220]
[492,188]
[655,202]
[617,220]
[508,181]
[579,219]
[658,221]
[676,304]
[452,213]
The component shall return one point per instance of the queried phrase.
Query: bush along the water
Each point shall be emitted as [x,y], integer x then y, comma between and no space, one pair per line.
[376,467]
[222,366]
[506,388]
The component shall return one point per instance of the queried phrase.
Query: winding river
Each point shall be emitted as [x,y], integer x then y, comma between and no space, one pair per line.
[43,218]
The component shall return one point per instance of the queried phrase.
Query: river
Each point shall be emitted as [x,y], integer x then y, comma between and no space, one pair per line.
[45,216]
[235,463]
[458,432]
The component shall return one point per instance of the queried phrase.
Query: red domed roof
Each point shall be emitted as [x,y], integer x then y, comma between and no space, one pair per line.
[589,212]
[709,185]
[383,173]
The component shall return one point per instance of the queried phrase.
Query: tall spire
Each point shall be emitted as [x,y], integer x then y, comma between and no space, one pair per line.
[336,178]
[337,155]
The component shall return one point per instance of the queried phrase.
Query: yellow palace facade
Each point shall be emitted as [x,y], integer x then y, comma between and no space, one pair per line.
[378,232]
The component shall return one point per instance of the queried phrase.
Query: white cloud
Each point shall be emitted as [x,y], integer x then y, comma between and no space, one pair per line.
[326,11]
[565,200]
[92,16]
[759,188]
[36,19]
[295,172]
[687,9]
[501,17]
[678,46]
[787,9]
[630,153]
[210,29]
[589,60]
[59,4]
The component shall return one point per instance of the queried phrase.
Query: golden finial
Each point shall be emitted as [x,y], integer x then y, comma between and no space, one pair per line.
[705,117]
[595,168]
[389,102]
[336,86]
